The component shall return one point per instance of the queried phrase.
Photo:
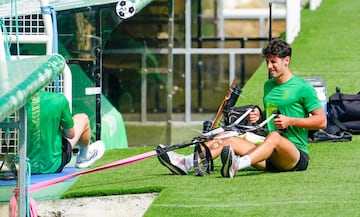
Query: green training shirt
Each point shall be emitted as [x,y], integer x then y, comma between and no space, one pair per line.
[295,98]
[46,113]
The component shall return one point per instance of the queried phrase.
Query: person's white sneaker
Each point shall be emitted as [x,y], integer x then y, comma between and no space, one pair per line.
[229,167]
[95,151]
[173,161]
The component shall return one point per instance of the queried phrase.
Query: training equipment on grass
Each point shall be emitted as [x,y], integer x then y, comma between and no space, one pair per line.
[229,101]
[229,127]
[237,130]
[207,165]
[202,152]
[232,117]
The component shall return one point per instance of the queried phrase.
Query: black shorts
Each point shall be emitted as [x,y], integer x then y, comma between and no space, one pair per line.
[66,154]
[301,165]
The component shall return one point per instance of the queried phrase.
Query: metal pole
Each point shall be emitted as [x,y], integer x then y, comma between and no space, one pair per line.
[270,21]
[98,74]
[23,193]
[242,65]
[200,61]
[188,60]
[170,72]
[270,28]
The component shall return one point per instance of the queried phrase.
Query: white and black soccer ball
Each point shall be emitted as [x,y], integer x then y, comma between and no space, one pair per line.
[125,9]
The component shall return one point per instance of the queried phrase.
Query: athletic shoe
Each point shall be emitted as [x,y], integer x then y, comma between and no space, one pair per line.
[173,161]
[228,168]
[95,151]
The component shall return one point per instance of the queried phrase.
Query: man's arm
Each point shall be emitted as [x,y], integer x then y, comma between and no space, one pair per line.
[317,120]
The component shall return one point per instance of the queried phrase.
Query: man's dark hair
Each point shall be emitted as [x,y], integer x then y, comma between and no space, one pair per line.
[277,47]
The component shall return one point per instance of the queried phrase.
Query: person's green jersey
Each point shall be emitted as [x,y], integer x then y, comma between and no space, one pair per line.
[46,113]
[294,98]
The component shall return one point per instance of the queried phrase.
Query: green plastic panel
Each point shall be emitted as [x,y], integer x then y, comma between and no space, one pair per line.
[34,6]
[21,79]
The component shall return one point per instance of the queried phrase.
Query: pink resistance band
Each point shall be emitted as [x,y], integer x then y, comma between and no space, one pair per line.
[41,185]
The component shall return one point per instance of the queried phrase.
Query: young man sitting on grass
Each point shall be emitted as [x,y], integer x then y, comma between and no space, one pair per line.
[53,133]
[285,146]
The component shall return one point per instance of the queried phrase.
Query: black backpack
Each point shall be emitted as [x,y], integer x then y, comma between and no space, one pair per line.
[344,112]
[343,119]
[235,112]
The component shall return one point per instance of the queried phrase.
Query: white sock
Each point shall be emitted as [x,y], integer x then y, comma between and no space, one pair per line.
[189,161]
[83,151]
[242,162]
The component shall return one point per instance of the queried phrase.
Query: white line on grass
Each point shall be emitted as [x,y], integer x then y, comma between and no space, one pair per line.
[244,204]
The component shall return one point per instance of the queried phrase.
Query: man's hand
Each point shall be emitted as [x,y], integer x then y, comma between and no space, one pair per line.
[282,122]
[254,116]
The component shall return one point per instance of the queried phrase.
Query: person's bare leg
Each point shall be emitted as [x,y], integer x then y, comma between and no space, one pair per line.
[88,154]
[82,130]
[215,147]
[243,147]
[282,153]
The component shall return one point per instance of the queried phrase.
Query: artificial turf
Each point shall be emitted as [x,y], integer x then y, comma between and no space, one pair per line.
[326,47]
[330,186]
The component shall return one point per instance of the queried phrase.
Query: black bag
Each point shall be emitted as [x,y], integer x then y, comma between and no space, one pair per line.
[323,136]
[334,132]
[236,112]
[343,119]
[344,111]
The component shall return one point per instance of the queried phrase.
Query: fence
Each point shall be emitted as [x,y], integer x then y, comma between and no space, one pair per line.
[290,13]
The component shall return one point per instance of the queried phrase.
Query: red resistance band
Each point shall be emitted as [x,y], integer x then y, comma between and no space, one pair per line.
[41,185]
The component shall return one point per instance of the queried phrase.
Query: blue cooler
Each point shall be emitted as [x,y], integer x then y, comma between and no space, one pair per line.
[320,88]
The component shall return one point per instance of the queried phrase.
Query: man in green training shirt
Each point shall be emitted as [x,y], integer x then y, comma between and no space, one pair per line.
[53,132]
[285,146]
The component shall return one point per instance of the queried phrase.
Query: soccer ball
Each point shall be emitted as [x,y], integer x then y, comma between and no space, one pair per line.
[125,9]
